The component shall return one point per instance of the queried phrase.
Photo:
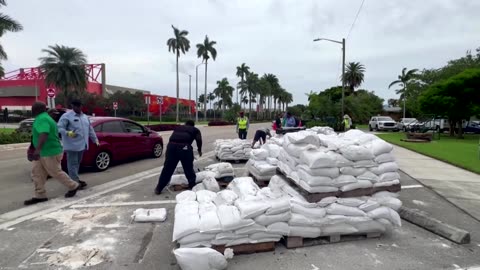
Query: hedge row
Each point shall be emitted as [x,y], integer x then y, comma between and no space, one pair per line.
[14,138]
[162,127]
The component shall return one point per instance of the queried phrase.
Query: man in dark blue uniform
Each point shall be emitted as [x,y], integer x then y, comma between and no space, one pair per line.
[180,148]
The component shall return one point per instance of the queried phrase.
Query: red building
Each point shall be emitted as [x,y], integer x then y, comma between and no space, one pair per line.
[19,89]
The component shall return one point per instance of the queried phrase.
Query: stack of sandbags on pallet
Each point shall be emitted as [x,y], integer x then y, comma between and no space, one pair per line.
[338,216]
[222,170]
[206,218]
[263,162]
[331,163]
[232,149]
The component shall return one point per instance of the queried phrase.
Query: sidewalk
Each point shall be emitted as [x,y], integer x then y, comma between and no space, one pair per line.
[458,186]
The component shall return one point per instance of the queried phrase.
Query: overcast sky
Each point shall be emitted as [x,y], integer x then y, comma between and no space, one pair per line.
[270,36]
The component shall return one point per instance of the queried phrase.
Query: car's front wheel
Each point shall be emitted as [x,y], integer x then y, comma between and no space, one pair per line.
[102,161]
[370,127]
[157,150]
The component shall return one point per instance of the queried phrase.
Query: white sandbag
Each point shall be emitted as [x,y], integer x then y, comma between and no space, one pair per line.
[203,175]
[328,172]
[352,202]
[278,206]
[186,195]
[230,219]
[254,228]
[211,184]
[364,138]
[390,202]
[389,176]
[314,180]
[343,180]
[368,163]
[383,194]
[259,175]
[226,197]
[338,229]
[259,154]
[272,161]
[222,169]
[317,189]
[178,179]
[201,258]
[317,159]
[240,241]
[354,134]
[186,219]
[356,152]
[205,196]
[229,235]
[273,150]
[307,232]
[267,194]
[387,184]
[369,176]
[335,219]
[359,184]
[264,235]
[300,220]
[280,228]
[383,158]
[209,222]
[307,137]
[149,215]
[338,209]
[302,202]
[386,213]
[251,208]
[244,187]
[266,220]
[202,244]
[369,205]
[198,187]
[380,147]
[196,238]
[316,213]
[296,149]
[327,201]
[353,171]
[385,222]
[354,220]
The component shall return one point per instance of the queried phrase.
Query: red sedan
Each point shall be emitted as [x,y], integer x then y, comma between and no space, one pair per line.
[120,139]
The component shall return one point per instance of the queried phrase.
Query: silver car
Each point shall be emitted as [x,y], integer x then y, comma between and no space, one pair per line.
[382,123]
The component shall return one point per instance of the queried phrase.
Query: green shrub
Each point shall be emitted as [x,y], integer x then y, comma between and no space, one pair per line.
[14,138]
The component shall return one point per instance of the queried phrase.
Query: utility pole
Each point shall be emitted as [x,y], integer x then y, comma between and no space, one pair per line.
[189,95]
[196,92]
[343,77]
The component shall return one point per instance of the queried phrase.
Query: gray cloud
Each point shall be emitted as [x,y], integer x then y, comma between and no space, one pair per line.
[270,36]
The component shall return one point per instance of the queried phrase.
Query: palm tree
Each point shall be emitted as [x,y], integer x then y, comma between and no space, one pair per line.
[224,91]
[252,86]
[274,86]
[310,95]
[242,72]
[7,24]
[179,43]
[64,68]
[210,98]
[244,100]
[204,51]
[354,75]
[264,90]
[403,80]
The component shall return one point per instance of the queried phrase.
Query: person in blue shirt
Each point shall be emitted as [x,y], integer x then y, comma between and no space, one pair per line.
[290,121]
[76,129]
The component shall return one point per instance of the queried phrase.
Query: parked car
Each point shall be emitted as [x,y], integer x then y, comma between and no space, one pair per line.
[382,123]
[405,123]
[26,125]
[120,139]
[472,127]
[440,124]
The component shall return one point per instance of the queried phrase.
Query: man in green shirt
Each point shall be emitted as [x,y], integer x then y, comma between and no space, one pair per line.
[47,156]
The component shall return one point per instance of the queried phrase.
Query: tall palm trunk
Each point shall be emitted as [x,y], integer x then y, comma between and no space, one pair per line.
[205,106]
[178,90]
[250,105]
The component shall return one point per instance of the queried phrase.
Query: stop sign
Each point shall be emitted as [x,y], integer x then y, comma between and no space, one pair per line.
[51,92]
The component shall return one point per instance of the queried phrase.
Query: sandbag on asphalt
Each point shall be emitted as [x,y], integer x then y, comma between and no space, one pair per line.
[149,215]
[202,258]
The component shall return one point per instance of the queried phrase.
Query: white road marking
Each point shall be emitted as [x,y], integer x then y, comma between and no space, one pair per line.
[34,211]
[97,205]
[412,186]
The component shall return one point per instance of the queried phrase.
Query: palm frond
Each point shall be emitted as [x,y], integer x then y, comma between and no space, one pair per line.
[394,82]
[9,24]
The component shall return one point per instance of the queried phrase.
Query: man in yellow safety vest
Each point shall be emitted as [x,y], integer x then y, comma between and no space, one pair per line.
[242,126]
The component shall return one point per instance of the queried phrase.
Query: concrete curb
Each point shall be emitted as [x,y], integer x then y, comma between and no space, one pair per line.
[436,226]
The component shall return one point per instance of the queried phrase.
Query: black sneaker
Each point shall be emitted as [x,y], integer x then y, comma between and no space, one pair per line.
[83,184]
[157,192]
[72,193]
[35,201]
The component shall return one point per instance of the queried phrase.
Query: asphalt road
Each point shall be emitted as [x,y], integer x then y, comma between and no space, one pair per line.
[16,184]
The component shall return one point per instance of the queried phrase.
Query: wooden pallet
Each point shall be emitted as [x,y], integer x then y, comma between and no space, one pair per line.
[316,197]
[296,242]
[247,248]
[260,183]
[236,161]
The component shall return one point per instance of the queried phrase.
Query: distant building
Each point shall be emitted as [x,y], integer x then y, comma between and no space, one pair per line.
[394,112]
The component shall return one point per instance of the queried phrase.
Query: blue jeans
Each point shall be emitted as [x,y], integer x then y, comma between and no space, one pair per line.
[74,158]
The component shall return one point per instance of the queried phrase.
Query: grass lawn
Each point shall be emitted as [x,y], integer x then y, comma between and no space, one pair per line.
[462,153]
[170,123]
[7,130]
[364,127]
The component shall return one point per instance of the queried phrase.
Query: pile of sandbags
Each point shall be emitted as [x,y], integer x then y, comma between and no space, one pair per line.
[232,149]
[322,163]
[263,162]
[221,170]
[244,213]
[181,179]
[322,130]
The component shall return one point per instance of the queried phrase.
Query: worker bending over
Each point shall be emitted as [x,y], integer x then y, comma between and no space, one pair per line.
[261,135]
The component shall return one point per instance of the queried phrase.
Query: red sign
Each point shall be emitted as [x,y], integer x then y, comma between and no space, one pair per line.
[51,92]
[115,105]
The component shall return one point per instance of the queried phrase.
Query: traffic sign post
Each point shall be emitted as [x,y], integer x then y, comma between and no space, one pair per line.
[147,101]
[115,107]
[51,97]
[160,103]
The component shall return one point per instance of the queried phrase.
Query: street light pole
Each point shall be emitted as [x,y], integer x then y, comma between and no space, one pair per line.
[196,91]
[343,67]
[190,95]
